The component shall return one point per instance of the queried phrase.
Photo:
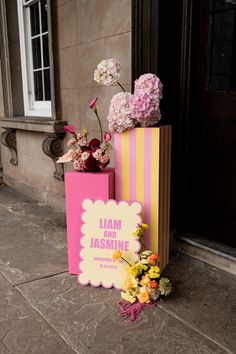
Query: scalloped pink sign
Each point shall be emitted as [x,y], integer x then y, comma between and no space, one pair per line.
[107,227]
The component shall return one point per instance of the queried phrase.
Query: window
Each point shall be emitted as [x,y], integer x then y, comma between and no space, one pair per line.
[222,75]
[35,63]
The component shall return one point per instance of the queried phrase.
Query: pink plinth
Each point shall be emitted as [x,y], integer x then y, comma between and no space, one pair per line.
[79,186]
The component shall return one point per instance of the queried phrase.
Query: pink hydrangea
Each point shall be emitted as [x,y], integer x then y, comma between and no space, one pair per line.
[143,105]
[150,120]
[107,72]
[119,116]
[149,84]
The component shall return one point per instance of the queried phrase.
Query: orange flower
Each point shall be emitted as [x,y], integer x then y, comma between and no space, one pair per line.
[153,284]
[143,297]
[145,280]
[153,258]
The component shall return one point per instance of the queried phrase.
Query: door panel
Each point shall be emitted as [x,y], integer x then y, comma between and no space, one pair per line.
[214,103]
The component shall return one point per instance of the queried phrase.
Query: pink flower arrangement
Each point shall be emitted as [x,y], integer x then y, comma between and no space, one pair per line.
[119,116]
[142,108]
[88,156]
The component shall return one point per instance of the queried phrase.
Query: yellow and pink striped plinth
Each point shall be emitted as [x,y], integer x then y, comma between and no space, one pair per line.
[143,158]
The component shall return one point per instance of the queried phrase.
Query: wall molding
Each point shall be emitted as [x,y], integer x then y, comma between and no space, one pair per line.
[52,147]
[8,139]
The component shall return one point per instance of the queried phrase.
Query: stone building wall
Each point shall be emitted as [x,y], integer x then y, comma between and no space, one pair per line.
[88,31]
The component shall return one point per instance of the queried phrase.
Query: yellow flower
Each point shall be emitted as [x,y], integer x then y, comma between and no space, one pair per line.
[154,272]
[117,255]
[140,230]
[145,280]
[128,297]
[143,296]
[128,284]
[134,282]
[144,227]
[136,269]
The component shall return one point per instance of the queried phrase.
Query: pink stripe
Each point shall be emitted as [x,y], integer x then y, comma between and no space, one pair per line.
[118,166]
[132,164]
[147,183]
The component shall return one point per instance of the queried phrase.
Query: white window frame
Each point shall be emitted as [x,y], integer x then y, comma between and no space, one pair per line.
[31,107]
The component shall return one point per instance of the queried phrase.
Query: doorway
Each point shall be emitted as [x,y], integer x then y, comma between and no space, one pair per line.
[193,51]
[211,196]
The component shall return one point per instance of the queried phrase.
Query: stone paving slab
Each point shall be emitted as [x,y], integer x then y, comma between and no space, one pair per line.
[204,298]
[23,330]
[87,319]
[29,250]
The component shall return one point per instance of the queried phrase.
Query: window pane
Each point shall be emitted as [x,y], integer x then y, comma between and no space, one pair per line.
[36,52]
[38,86]
[44,15]
[45,51]
[34,19]
[224,4]
[223,51]
[47,85]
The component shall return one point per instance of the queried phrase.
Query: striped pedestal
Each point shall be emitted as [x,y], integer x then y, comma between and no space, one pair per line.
[142,172]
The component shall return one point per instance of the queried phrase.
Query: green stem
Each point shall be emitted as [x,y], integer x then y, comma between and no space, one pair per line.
[121,86]
[100,124]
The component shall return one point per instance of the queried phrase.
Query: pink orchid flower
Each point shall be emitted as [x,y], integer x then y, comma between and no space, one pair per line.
[93,104]
[69,129]
[107,137]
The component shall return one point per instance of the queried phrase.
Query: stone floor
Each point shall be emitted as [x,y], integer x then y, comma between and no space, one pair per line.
[43,310]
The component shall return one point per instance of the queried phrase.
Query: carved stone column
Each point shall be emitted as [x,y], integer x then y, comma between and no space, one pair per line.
[8,139]
[53,147]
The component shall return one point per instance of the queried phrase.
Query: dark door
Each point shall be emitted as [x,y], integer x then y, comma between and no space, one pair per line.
[191,46]
[212,118]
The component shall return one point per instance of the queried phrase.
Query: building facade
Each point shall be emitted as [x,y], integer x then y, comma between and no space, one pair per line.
[189,44]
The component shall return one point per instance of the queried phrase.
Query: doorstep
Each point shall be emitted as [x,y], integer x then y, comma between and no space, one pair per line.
[208,251]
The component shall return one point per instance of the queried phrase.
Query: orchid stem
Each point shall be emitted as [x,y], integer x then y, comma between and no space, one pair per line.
[100,124]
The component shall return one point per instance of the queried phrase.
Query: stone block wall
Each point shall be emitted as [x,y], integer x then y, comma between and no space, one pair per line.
[89,31]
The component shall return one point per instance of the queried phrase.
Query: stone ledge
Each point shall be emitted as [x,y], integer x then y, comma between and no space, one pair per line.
[208,251]
[41,125]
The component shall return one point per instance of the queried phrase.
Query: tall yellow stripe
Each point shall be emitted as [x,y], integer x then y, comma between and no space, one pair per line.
[155,189]
[125,165]
[140,166]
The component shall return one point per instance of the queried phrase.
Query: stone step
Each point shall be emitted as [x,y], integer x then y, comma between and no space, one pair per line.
[208,251]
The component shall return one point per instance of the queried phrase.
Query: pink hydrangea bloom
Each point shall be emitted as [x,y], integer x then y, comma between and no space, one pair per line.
[145,109]
[107,72]
[119,116]
[150,120]
[149,84]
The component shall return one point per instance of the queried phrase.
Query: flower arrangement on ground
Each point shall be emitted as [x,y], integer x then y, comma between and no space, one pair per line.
[87,155]
[142,108]
[144,285]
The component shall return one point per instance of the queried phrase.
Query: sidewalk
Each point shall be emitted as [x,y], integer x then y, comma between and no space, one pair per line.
[43,310]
